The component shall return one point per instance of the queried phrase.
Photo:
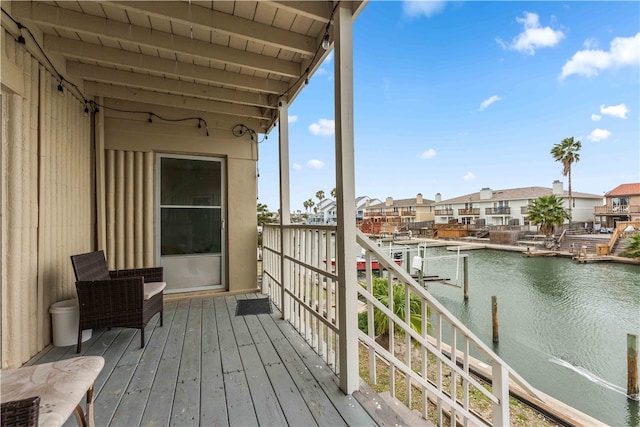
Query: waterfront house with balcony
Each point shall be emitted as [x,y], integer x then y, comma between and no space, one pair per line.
[133,128]
[509,206]
[620,204]
[416,209]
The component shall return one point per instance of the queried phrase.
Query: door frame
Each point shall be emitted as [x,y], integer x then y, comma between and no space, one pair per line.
[223,213]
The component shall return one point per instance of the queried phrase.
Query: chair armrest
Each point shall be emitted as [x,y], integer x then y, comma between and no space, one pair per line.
[151,274]
[109,296]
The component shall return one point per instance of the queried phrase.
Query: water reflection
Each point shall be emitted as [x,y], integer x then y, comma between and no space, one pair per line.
[563,325]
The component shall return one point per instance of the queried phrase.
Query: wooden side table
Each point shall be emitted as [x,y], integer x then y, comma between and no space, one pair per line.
[60,385]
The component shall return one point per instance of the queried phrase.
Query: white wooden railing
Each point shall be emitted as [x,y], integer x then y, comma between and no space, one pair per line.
[441,381]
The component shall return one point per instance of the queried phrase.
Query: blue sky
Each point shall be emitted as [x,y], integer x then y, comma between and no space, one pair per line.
[451,97]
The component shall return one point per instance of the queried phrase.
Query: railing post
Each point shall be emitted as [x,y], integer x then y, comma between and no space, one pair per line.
[500,387]
[345,200]
[285,203]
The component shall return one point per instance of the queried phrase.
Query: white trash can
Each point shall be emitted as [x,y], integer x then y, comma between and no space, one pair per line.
[65,317]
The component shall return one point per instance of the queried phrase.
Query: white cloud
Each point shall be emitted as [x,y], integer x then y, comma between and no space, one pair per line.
[596,117]
[427,8]
[297,166]
[469,176]
[533,36]
[428,154]
[622,52]
[323,127]
[619,110]
[293,119]
[315,164]
[598,135]
[590,44]
[489,101]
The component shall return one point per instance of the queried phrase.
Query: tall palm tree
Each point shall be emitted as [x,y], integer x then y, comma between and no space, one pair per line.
[567,153]
[320,195]
[309,204]
[547,211]
[333,193]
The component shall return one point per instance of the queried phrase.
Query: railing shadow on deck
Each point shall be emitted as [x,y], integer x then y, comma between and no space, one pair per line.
[416,360]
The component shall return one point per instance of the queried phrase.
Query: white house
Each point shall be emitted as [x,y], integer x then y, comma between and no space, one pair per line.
[509,206]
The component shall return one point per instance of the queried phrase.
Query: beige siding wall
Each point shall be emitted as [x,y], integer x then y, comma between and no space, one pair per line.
[131,143]
[46,200]
[129,208]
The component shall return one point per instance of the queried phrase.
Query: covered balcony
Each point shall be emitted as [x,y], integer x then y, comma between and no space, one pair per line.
[115,113]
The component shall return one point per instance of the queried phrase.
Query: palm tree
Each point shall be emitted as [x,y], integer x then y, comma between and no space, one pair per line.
[380,290]
[320,195]
[567,153]
[333,193]
[308,204]
[547,211]
[633,250]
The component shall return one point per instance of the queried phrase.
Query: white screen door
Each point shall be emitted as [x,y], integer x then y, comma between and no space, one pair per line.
[190,239]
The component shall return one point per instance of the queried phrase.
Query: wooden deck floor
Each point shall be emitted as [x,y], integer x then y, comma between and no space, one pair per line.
[206,366]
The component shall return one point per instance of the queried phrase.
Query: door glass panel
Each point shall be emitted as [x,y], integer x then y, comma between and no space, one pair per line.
[188,182]
[191,231]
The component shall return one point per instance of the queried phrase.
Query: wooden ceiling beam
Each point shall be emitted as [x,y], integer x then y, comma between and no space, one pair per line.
[171,100]
[55,17]
[212,20]
[165,85]
[107,55]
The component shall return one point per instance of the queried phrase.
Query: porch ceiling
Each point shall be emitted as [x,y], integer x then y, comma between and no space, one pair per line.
[233,58]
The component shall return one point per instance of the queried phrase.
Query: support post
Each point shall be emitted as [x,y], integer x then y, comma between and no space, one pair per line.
[500,388]
[632,365]
[494,318]
[465,267]
[285,203]
[346,200]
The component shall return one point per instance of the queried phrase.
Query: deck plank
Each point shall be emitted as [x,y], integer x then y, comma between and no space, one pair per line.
[348,407]
[267,407]
[319,404]
[213,405]
[239,403]
[231,361]
[186,403]
[162,392]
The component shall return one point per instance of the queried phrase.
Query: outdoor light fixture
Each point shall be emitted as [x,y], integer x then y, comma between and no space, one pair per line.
[150,120]
[60,89]
[326,41]
[86,109]
[20,38]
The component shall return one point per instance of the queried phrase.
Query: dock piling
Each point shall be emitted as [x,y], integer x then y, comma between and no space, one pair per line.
[632,365]
[494,318]
[465,267]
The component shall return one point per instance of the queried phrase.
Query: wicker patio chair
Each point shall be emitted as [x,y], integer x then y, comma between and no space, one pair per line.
[21,413]
[117,298]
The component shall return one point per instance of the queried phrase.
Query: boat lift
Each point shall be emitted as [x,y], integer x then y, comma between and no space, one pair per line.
[418,268]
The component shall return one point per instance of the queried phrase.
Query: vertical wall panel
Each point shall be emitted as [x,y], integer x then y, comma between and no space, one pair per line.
[129,208]
[138,235]
[46,214]
[120,185]
[110,171]
[15,215]
[149,190]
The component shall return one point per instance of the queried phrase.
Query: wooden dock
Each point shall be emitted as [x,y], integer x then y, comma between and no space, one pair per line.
[206,366]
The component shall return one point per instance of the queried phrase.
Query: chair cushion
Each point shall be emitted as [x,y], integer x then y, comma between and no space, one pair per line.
[153,288]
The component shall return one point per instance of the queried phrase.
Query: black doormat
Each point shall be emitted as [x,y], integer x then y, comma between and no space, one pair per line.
[253,306]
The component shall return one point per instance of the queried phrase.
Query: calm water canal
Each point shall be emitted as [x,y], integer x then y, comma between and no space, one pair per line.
[563,325]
